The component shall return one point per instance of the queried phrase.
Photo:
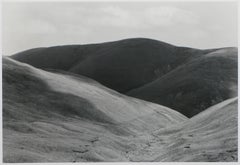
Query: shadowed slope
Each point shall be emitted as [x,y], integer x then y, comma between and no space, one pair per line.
[185,79]
[121,65]
[196,85]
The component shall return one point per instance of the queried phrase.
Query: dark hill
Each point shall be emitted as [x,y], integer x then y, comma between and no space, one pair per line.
[196,85]
[182,78]
[121,65]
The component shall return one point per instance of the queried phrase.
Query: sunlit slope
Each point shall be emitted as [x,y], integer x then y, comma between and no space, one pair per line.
[209,136]
[58,117]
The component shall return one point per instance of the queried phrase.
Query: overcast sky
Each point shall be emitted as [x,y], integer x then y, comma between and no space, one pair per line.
[194,24]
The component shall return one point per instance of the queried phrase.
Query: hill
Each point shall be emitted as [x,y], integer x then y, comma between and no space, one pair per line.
[54,116]
[120,65]
[61,117]
[196,85]
[188,80]
[211,136]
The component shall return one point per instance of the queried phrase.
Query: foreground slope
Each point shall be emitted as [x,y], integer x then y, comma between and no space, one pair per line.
[60,117]
[188,80]
[208,137]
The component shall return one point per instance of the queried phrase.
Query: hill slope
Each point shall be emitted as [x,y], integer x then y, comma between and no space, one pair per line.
[210,136]
[120,65]
[148,69]
[196,85]
[59,117]
[47,119]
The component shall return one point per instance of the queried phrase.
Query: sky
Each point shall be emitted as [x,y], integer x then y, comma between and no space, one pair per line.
[203,25]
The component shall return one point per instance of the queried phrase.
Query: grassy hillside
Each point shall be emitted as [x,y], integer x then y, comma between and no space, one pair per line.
[59,117]
[211,136]
[185,79]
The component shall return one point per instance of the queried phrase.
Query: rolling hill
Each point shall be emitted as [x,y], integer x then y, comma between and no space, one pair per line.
[121,65]
[46,116]
[185,79]
[62,117]
[196,85]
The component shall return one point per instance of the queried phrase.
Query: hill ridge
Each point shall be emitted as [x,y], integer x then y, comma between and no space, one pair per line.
[131,65]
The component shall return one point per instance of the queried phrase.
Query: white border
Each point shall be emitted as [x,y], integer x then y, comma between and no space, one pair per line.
[117,163]
[119,0]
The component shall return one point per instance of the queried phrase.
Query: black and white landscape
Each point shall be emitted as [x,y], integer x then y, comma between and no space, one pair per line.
[128,100]
[61,103]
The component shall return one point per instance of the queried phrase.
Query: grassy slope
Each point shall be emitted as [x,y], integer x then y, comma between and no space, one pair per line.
[47,119]
[196,85]
[58,117]
[184,79]
[210,136]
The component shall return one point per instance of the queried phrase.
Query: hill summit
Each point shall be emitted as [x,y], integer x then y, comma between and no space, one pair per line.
[185,79]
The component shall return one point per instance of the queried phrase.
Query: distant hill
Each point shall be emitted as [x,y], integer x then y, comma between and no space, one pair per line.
[62,117]
[121,65]
[195,85]
[181,78]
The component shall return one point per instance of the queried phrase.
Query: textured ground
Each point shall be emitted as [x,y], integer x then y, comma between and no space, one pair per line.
[60,117]
[53,117]
[210,136]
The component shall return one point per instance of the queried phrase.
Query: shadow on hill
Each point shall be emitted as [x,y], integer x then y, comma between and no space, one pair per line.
[195,86]
[35,93]
[185,79]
